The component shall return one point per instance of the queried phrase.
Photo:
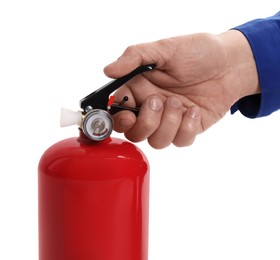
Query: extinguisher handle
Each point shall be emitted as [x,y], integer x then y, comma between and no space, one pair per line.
[99,98]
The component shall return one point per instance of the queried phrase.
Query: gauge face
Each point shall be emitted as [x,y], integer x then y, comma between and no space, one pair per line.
[97,124]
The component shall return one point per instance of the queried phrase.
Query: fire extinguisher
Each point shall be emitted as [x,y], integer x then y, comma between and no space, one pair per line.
[94,189]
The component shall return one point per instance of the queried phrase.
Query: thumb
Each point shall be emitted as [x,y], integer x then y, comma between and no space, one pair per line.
[126,63]
[133,57]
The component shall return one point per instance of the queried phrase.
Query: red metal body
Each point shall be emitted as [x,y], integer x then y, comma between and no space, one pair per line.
[93,201]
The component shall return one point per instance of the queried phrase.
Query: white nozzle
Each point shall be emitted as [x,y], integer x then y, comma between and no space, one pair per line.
[69,117]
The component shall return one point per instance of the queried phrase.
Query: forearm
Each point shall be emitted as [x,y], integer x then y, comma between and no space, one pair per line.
[263,35]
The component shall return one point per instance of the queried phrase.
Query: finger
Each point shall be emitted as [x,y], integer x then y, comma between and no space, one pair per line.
[138,90]
[170,123]
[190,127]
[126,63]
[124,91]
[148,120]
[123,121]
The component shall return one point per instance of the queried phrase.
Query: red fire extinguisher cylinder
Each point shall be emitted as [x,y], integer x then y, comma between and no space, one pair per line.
[93,201]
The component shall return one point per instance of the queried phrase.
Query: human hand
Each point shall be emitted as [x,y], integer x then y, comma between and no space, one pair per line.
[196,80]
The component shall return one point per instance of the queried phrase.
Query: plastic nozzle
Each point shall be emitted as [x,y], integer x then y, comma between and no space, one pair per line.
[69,117]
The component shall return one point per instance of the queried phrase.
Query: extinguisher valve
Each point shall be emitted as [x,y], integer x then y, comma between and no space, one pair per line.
[95,119]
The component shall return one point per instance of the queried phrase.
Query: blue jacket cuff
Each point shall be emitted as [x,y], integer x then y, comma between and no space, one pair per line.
[263,36]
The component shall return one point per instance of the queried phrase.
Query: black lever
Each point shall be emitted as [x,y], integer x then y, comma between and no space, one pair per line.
[99,98]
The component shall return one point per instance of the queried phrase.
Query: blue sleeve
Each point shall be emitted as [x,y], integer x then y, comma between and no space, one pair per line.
[263,36]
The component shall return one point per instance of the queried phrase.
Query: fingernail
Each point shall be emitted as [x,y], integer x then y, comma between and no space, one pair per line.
[193,112]
[155,104]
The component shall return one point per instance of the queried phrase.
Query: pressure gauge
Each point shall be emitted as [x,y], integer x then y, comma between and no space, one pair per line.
[97,124]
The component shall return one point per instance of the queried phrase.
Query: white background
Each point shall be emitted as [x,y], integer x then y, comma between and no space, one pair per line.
[218,199]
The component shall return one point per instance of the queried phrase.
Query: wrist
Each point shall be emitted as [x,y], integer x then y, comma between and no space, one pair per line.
[242,76]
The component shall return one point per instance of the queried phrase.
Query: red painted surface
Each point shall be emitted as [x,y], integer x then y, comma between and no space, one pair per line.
[93,201]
